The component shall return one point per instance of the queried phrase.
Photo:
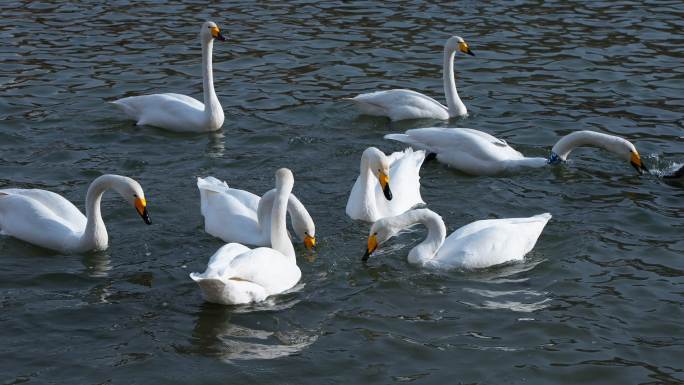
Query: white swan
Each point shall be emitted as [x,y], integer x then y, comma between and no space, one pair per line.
[478,153]
[48,220]
[371,197]
[237,274]
[406,104]
[476,245]
[178,112]
[240,216]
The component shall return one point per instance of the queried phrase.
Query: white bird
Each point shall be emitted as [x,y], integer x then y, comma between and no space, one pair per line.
[178,112]
[240,216]
[478,153]
[49,220]
[476,245]
[403,104]
[237,274]
[371,197]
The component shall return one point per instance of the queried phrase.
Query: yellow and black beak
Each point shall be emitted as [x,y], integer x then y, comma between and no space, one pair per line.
[635,161]
[384,183]
[372,245]
[463,46]
[141,208]
[216,34]
[309,242]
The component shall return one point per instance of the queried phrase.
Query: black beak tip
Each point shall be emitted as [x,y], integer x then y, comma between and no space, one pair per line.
[387,192]
[146,217]
[366,255]
[470,53]
[641,169]
[220,37]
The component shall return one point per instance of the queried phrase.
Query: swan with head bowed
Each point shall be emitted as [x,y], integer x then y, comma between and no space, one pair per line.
[49,220]
[240,216]
[177,112]
[477,245]
[403,104]
[371,197]
[237,274]
[478,153]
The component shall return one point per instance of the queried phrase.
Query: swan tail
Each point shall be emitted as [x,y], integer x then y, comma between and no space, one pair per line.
[127,107]
[232,291]
[212,288]
[206,186]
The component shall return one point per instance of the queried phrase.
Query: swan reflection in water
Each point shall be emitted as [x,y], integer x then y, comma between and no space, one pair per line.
[215,335]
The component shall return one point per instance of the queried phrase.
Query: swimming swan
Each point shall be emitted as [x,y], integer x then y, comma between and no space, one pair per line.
[240,216]
[237,274]
[476,245]
[178,112]
[478,153]
[406,104]
[371,197]
[49,220]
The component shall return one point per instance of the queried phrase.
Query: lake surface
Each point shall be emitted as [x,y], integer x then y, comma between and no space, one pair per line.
[599,300]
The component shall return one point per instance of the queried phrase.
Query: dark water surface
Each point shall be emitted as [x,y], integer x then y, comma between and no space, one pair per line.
[599,300]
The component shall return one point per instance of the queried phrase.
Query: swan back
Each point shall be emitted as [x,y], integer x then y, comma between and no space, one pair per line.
[490,242]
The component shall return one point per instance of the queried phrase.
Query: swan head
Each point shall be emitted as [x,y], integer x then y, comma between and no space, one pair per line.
[626,150]
[302,224]
[211,31]
[379,165]
[381,231]
[456,43]
[131,191]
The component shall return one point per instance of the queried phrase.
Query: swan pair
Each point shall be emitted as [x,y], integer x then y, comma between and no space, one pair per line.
[49,220]
[406,104]
[477,245]
[178,112]
[240,216]
[478,153]
[237,274]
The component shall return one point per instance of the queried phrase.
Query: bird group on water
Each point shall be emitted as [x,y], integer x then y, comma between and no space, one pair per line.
[386,192]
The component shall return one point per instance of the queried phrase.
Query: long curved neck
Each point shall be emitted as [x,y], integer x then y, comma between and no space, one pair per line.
[454,103]
[264,212]
[562,149]
[367,179]
[211,102]
[295,208]
[280,240]
[427,249]
[95,235]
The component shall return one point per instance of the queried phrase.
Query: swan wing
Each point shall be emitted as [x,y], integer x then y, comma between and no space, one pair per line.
[229,214]
[171,111]
[490,242]
[38,217]
[401,104]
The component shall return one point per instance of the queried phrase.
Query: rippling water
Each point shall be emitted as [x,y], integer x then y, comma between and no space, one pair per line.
[599,300]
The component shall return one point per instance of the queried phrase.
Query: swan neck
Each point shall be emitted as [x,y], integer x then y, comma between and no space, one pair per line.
[436,234]
[280,240]
[454,103]
[264,212]
[367,179]
[95,234]
[212,107]
[562,149]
